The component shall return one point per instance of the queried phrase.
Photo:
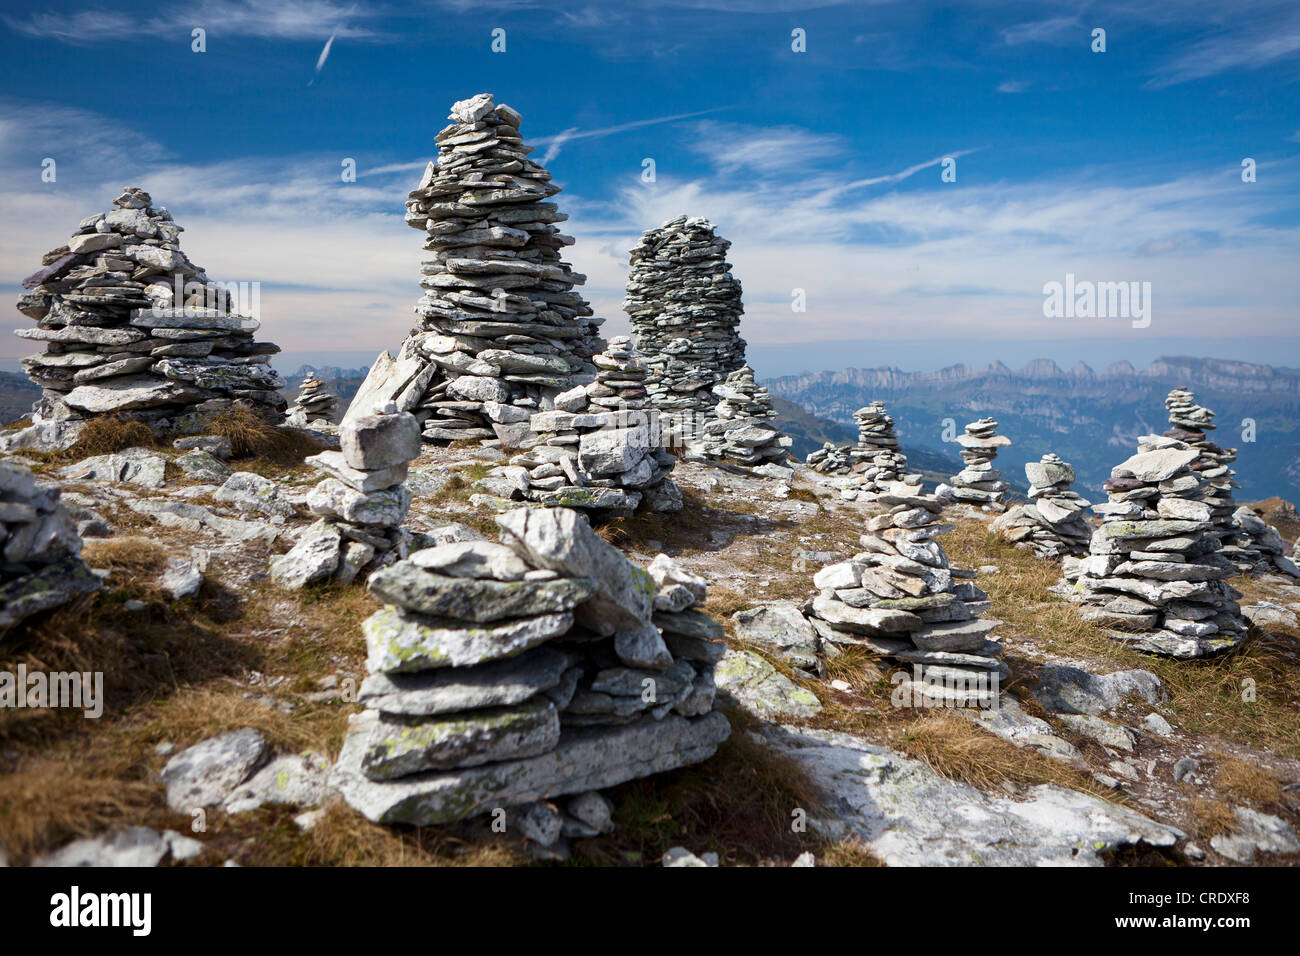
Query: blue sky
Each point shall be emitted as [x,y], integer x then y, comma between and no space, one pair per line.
[822,167]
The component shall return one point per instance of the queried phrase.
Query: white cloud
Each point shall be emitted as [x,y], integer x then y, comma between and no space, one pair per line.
[269,19]
[1013,86]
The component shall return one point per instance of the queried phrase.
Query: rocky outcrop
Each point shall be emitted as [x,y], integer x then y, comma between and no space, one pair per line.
[361,502]
[978,483]
[502,674]
[905,814]
[871,466]
[1153,575]
[598,449]
[900,598]
[40,567]
[502,329]
[133,328]
[1052,524]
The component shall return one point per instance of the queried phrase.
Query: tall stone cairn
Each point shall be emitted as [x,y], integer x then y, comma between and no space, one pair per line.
[361,502]
[501,325]
[901,599]
[118,343]
[598,449]
[1154,573]
[543,666]
[685,309]
[315,405]
[1052,523]
[40,567]
[742,429]
[875,464]
[978,483]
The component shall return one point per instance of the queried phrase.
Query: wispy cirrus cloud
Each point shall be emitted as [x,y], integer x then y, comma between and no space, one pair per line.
[272,19]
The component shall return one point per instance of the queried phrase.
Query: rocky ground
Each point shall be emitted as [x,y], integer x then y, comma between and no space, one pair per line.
[1099,755]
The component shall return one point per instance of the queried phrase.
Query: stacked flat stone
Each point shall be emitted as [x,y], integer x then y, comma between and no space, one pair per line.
[117,341]
[502,328]
[598,450]
[315,405]
[1261,548]
[1188,422]
[978,482]
[900,598]
[40,567]
[1154,572]
[542,666]
[685,307]
[741,429]
[874,464]
[361,502]
[1052,524]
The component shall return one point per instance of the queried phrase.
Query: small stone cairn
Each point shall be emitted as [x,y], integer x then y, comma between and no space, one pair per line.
[361,502]
[1261,546]
[502,329]
[978,482]
[902,600]
[117,341]
[874,465]
[598,450]
[741,429]
[685,308]
[544,666]
[314,407]
[1154,572]
[40,567]
[1052,523]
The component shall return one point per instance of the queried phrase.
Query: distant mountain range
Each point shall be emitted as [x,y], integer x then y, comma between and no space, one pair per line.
[1091,419]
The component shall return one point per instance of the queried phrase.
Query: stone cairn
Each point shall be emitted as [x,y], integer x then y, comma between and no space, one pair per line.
[741,430]
[1052,523]
[685,309]
[1154,572]
[1261,548]
[901,599]
[978,482]
[1249,542]
[40,567]
[874,464]
[544,666]
[315,406]
[502,329]
[598,450]
[361,502]
[117,341]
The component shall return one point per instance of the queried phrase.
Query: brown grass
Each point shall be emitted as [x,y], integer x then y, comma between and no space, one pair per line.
[103,436]
[1208,696]
[1244,781]
[958,749]
[135,556]
[253,438]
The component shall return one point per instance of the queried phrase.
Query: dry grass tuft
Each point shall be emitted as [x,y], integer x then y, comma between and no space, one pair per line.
[343,837]
[103,436]
[1244,781]
[135,556]
[252,437]
[958,749]
[44,802]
